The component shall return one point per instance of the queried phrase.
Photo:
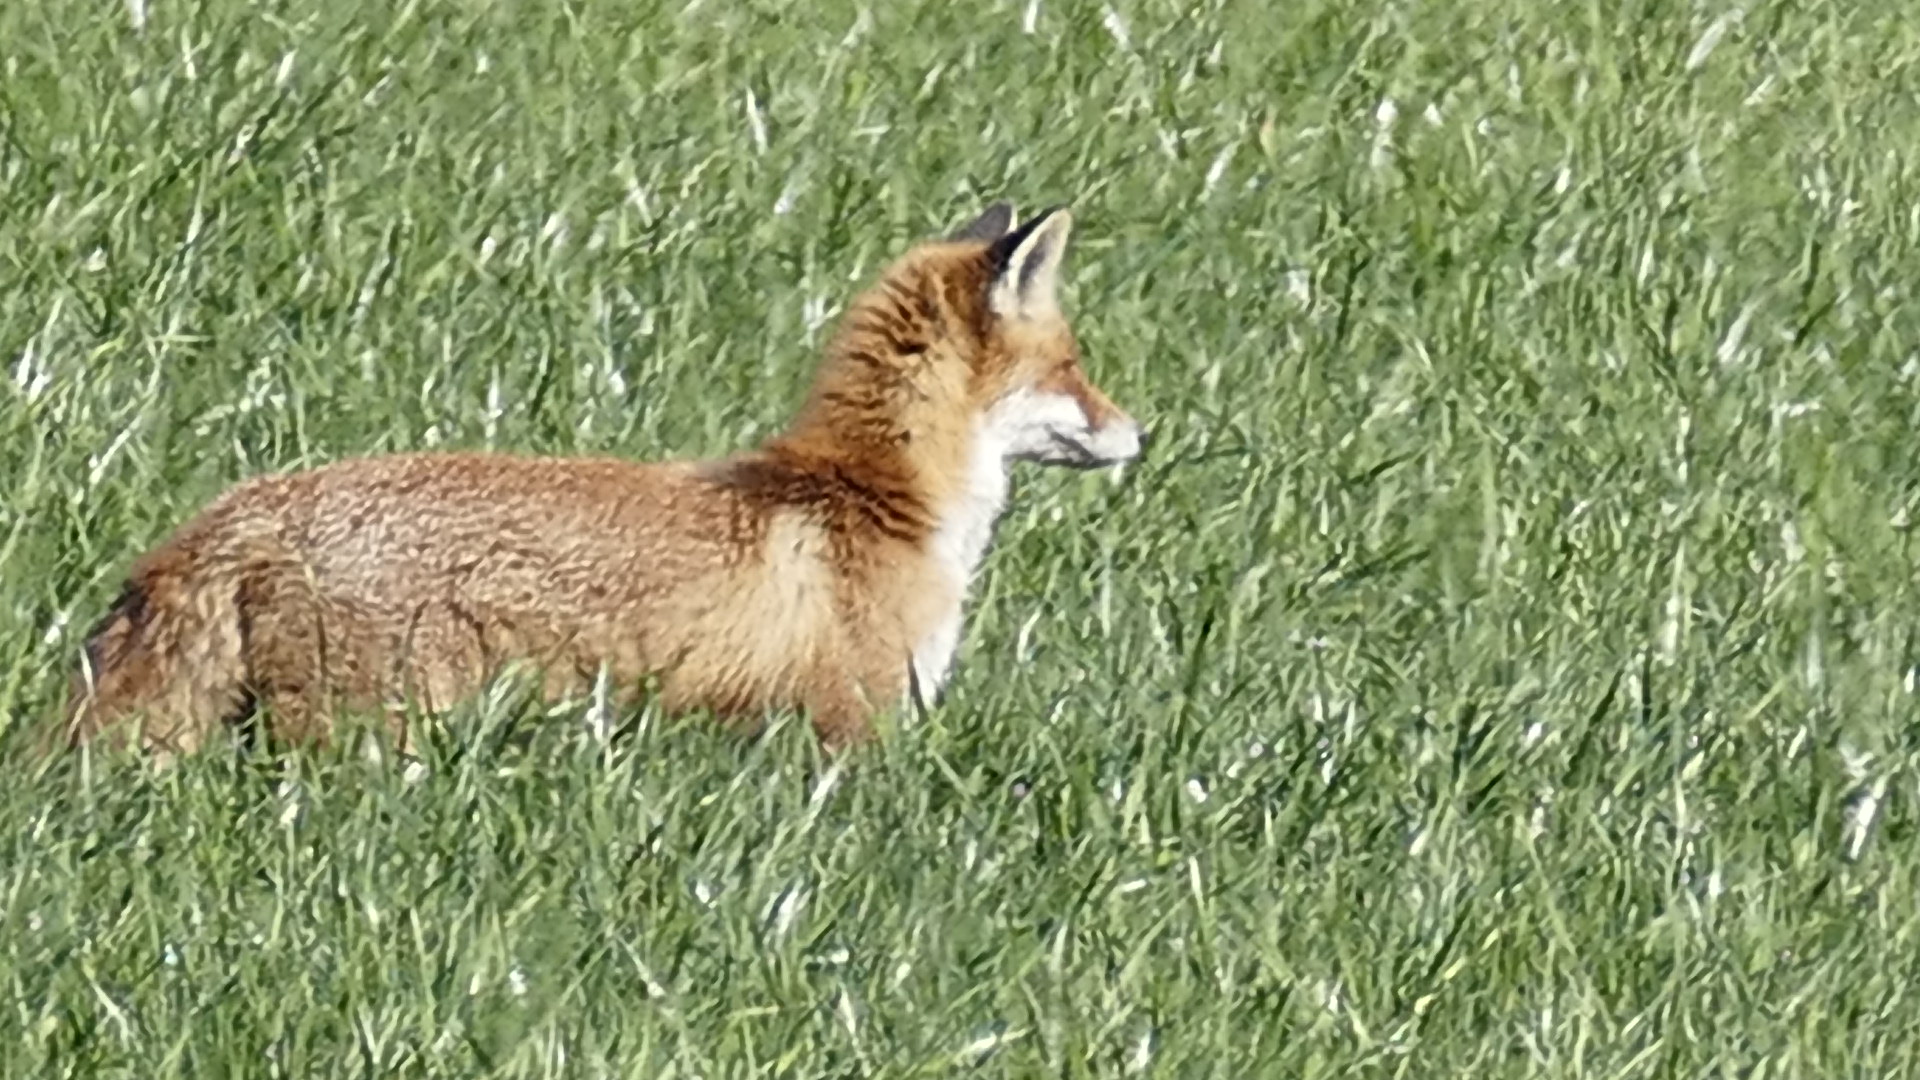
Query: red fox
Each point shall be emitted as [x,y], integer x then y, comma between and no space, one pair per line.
[824,573]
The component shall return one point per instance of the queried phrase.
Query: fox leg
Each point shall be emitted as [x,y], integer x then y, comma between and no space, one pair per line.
[841,711]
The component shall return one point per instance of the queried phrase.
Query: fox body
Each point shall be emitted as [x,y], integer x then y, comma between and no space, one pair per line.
[823,572]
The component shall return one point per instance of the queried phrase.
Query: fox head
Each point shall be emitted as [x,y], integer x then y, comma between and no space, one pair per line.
[961,352]
[1031,390]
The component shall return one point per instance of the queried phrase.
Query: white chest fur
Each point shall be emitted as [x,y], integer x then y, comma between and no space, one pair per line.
[959,543]
[1024,424]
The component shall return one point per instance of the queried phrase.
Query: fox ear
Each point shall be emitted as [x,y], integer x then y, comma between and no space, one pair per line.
[992,224]
[1027,265]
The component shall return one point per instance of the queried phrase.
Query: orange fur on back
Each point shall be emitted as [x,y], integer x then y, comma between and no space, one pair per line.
[823,572]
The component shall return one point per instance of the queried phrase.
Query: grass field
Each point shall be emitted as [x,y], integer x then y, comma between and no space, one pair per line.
[1505,666]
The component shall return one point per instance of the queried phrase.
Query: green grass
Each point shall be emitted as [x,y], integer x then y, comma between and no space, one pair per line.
[1504,667]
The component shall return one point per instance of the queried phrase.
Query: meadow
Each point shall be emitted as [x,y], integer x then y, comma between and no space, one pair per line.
[1504,665]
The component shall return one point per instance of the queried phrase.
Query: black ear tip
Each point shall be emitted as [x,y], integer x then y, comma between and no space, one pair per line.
[1002,250]
[991,225]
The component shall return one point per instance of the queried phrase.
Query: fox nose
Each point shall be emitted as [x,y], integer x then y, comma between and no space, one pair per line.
[1146,440]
